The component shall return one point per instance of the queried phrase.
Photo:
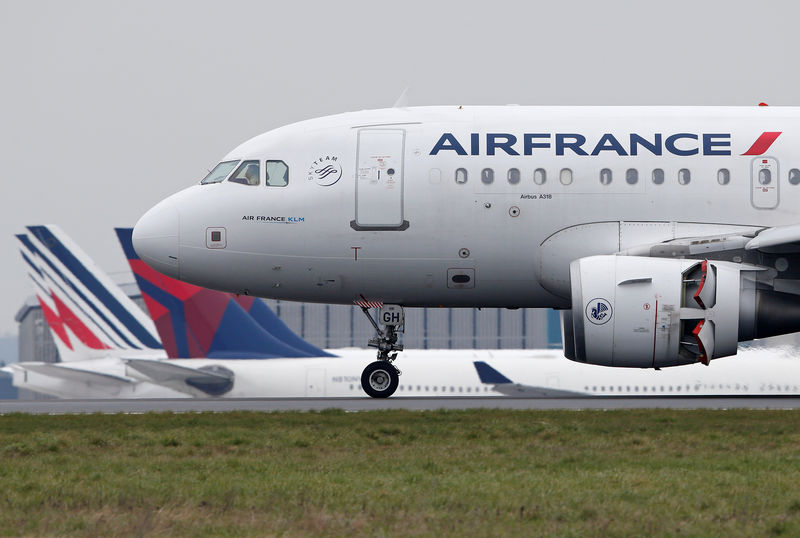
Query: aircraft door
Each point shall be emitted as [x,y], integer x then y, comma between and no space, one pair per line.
[764,183]
[379,180]
[315,382]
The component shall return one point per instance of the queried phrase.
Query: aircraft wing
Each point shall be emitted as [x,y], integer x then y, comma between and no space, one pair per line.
[777,236]
[756,249]
[68,373]
[691,246]
[774,239]
[199,382]
[504,385]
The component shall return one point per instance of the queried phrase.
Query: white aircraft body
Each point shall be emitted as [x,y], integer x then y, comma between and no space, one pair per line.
[425,373]
[520,373]
[665,235]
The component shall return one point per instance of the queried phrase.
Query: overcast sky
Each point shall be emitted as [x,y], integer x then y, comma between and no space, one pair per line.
[107,107]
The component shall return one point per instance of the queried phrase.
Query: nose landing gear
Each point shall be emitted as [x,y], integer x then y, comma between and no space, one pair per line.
[380,378]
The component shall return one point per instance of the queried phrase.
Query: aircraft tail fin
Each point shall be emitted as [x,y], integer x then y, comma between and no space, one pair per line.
[489,375]
[88,314]
[271,323]
[197,322]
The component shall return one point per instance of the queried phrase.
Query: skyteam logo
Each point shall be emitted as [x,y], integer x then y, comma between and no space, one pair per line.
[325,171]
[599,311]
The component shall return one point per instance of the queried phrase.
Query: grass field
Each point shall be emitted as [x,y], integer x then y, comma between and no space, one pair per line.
[474,473]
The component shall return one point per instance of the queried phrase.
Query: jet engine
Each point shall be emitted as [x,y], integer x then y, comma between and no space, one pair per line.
[654,312]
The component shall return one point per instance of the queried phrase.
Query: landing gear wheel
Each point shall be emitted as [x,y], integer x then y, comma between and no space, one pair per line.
[380,379]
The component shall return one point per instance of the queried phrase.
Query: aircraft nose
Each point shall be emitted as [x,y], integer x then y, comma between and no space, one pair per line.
[156,238]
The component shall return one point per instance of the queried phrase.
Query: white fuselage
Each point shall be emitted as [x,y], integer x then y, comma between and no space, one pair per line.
[533,373]
[445,373]
[484,206]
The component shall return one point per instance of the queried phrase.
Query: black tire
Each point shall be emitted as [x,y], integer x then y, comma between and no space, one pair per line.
[379,379]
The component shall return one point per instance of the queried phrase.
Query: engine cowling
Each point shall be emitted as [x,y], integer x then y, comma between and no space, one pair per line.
[643,312]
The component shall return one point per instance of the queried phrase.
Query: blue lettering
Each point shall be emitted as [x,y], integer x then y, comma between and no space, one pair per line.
[528,142]
[672,148]
[654,148]
[608,143]
[505,143]
[448,142]
[574,145]
[712,144]
[709,144]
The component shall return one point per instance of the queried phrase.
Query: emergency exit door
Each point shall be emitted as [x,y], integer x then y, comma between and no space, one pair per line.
[379,181]
[764,187]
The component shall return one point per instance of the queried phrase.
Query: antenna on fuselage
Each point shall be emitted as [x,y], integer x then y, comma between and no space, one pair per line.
[402,101]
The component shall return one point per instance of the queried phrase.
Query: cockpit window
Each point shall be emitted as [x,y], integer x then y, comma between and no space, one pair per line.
[246,174]
[277,174]
[219,173]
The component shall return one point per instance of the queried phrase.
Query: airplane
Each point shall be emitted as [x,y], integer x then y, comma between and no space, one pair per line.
[69,285]
[664,235]
[93,322]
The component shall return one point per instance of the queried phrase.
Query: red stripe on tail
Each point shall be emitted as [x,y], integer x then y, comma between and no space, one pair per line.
[77,327]
[55,323]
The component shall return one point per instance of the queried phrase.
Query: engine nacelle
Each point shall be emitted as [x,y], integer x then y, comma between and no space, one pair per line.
[655,312]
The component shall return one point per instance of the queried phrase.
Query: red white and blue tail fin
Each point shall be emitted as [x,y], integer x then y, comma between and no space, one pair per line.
[197,322]
[88,314]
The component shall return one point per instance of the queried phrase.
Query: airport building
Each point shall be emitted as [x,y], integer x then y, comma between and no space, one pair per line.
[337,326]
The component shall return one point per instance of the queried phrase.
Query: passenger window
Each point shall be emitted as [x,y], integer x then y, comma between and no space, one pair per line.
[631,176]
[605,176]
[277,174]
[247,173]
[566,176]
[461,176]
[765,176]
[684,176]
[513,176]
[723,176]
[487,176]
[539,176]
[219,173]
[658,176]
[794,176]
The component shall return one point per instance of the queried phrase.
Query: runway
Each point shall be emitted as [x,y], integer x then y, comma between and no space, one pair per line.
[367,404]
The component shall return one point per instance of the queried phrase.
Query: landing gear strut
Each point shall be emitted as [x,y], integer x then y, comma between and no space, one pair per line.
[380,378]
